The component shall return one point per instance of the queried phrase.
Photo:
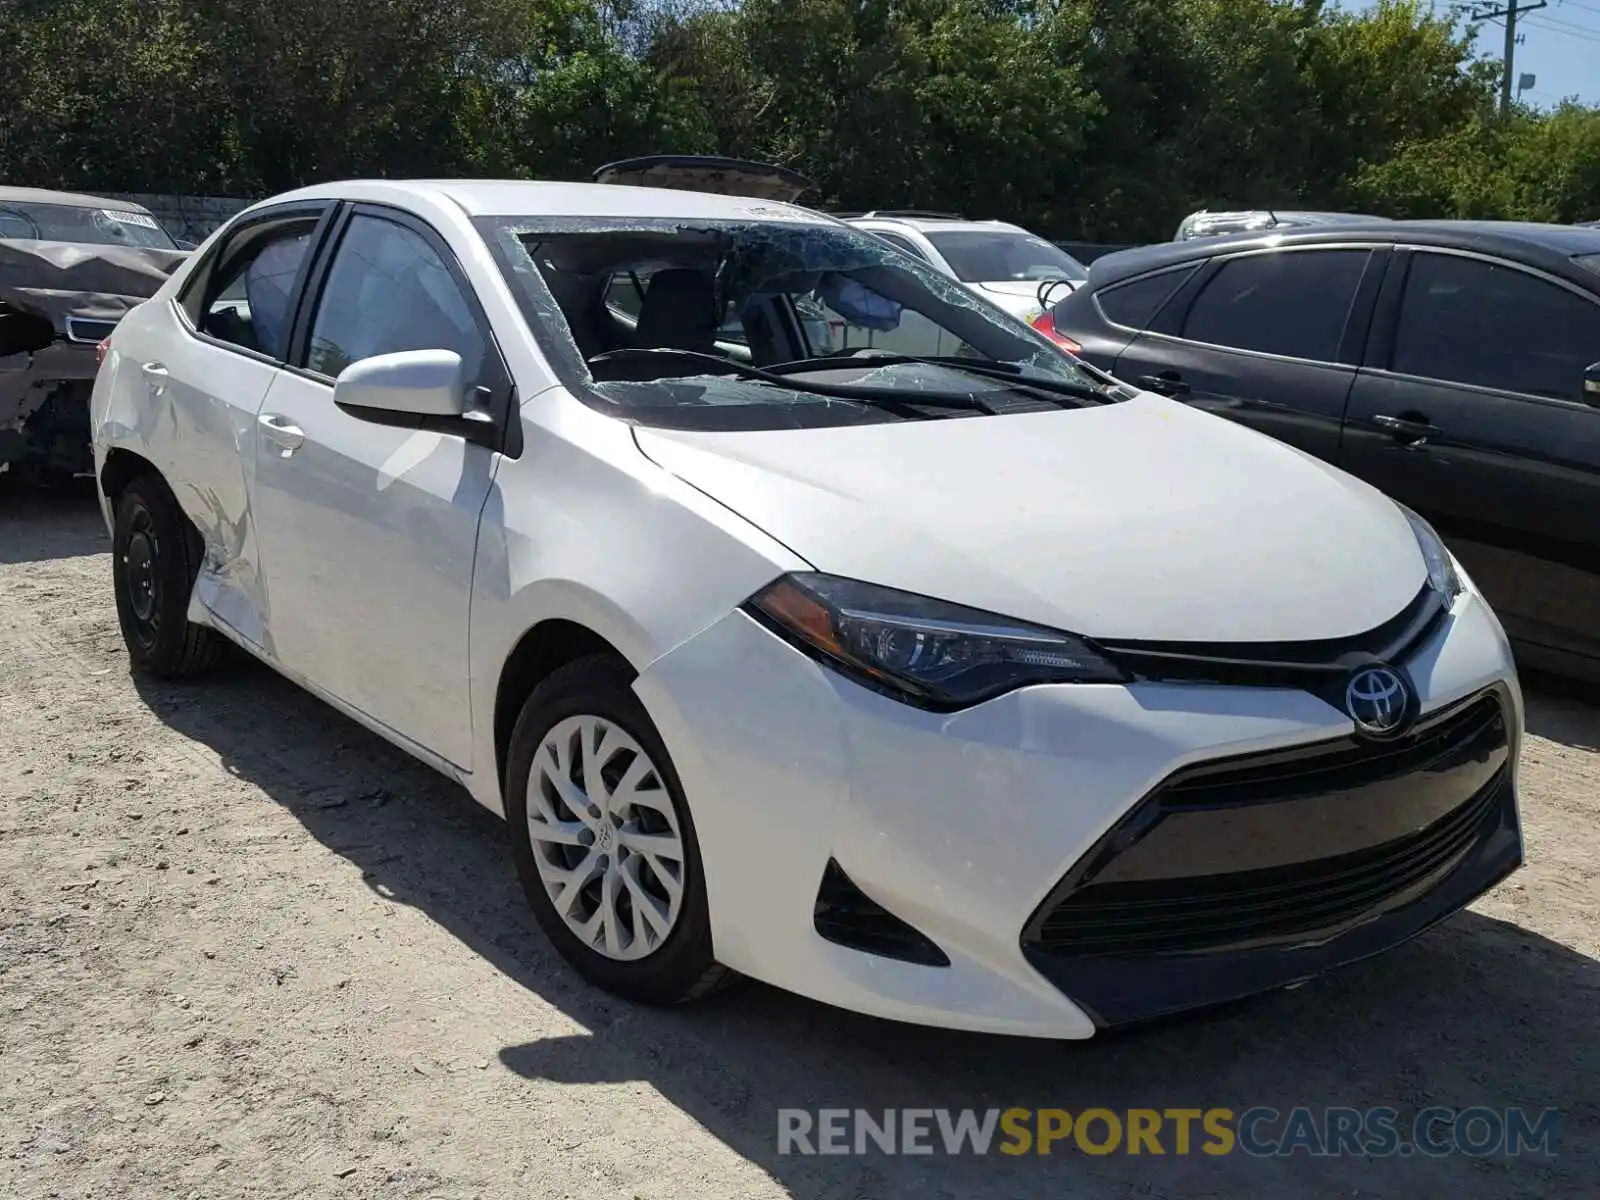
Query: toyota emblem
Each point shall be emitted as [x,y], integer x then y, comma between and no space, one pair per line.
[1379,701]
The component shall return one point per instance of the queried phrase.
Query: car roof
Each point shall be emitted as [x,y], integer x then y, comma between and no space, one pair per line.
[707,173]
[27,195]
[932,224]
[529,198]
[1549,244]
[1310,216]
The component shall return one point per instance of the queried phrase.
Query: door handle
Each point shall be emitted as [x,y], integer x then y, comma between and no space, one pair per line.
[281,432]
[155,377]
[1168,383]
[1411,430]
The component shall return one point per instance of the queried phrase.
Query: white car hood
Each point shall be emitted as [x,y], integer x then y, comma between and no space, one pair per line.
[1139,520]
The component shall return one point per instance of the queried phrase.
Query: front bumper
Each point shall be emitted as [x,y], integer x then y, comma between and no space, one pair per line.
[971,827]
[1239,876]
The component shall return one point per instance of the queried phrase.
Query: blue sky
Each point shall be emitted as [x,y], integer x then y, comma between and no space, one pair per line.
[1562,50]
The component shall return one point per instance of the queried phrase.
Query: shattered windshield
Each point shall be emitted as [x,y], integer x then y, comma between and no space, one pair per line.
[87,226]
[638,312]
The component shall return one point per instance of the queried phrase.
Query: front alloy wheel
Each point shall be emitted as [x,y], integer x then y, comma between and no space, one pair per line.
[603,839]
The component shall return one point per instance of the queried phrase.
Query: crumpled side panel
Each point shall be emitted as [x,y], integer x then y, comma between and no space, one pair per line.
[21,395]
[27,382]
[229,585]
[197,427]
[48,282]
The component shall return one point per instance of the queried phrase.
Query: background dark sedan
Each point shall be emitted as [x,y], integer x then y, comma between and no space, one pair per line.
[1455,365]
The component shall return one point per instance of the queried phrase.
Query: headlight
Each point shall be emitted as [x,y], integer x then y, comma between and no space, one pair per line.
[1442,575]
[925,652]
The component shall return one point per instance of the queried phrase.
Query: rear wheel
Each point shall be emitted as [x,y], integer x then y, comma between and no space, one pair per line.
[155,557]
[603,841]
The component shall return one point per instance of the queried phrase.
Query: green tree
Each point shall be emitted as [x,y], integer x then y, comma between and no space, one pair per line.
[1106,119]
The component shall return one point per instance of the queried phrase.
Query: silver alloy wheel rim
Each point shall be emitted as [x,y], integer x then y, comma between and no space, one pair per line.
[605,838]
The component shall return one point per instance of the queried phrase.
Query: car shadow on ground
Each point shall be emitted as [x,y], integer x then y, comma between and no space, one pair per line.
[44,523]
[1563,710]
[1477,1012]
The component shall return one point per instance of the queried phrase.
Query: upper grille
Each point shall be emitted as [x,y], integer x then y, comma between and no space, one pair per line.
[1285,846]
[1312,665]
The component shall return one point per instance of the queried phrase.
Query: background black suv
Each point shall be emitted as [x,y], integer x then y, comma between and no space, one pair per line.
[1455,365]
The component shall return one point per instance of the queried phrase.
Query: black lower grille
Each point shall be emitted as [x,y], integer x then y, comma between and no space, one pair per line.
[849,917]
[1286,846]
[1258,907]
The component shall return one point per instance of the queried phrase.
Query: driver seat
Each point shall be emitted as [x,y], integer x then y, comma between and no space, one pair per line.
[678,312]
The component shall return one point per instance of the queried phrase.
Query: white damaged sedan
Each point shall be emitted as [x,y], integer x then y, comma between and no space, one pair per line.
[925,672]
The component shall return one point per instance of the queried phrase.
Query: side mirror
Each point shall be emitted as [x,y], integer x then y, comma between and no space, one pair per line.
[423,383]
[1591,385]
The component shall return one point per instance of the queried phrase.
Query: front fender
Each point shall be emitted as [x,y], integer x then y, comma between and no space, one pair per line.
[582,527]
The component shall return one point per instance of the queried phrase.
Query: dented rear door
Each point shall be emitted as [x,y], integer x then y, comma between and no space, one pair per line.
[193,373]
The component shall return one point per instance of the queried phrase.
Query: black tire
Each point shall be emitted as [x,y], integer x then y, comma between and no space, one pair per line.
[155,556]
[682,967]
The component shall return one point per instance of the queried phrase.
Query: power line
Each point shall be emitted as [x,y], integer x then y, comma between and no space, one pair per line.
[1562,23]
[1561,16]
[1581,32]
[1510,12]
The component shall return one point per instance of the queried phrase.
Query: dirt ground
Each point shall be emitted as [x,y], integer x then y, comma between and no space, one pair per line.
[248,950]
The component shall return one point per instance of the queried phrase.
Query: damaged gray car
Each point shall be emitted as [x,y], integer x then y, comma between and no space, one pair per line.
[70,267]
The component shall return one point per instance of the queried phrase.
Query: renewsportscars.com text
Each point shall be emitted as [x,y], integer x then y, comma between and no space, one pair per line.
[1260,1131]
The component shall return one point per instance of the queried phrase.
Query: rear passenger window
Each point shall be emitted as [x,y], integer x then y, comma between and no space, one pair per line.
[1136,303]
[246,302]
[1468,321]
[1294,304]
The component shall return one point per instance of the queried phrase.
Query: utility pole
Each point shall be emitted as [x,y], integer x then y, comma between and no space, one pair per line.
[1510,12]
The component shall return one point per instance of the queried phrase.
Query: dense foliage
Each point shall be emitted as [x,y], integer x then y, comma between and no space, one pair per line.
[1100,119]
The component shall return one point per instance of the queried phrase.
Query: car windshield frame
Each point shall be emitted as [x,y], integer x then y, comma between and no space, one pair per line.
[941,240]
[783,244]
[48,223]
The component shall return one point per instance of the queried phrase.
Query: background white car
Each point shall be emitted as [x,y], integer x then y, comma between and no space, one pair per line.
[977,691]
[1007,265]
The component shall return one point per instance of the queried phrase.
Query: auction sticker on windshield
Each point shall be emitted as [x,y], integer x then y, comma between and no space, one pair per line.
[115,217]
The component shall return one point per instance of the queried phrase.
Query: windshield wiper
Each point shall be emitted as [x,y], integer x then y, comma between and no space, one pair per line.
[878,397]
[1004,372]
